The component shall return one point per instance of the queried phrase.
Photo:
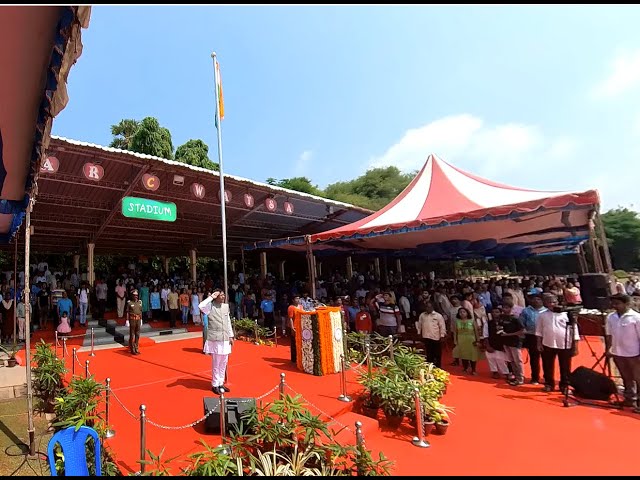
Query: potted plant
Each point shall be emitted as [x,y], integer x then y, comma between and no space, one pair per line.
[47,376]
[438,414]
[371,398]
[11,361]
[396,393]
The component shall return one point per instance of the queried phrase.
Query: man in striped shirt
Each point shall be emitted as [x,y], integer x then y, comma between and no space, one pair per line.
[389,315]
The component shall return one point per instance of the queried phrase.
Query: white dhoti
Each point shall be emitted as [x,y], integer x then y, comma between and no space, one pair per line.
[497,362]
[219,351]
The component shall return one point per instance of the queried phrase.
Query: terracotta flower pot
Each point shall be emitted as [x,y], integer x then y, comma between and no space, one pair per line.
[429,425]
[441,427]
[370,411]
[394,421]
[12,362]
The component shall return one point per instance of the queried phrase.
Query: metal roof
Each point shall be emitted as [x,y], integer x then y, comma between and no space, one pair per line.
[72,210]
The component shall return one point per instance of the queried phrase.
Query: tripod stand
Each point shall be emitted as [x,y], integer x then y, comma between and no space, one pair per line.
[606,369]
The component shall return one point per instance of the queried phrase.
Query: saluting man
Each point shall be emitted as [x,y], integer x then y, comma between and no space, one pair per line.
[219,337]
[134,318]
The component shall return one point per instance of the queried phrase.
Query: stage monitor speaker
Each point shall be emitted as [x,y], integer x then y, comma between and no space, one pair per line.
[595,291]
[591,385]
[236,407]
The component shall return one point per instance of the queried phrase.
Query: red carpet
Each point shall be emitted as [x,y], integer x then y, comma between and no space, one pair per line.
[495,429]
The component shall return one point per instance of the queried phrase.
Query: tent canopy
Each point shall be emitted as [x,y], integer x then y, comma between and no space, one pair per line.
[447,213]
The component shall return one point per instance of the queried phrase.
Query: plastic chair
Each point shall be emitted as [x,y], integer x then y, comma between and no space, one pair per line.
[74,448]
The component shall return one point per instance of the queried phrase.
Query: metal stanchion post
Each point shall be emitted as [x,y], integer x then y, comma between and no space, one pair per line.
[282,384]
[86,369]
[367,352]
[73,363]
[64,347]
[56,344]
[419,441]
[255,332]
[343,382]
[391,355]
[92,354]
[345,347]
[223,424]
[107,392]
[143,437]
[275,335]
[359,445]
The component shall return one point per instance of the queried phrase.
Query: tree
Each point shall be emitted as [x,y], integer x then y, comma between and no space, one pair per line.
[152,139]
[196,153]
[123,133]
[373,190]
[299,184]
[622,227]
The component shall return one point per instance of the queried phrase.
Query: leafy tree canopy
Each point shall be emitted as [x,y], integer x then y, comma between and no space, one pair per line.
[299,184]
[196,153]
[123,133]
[145,136]
[622,227]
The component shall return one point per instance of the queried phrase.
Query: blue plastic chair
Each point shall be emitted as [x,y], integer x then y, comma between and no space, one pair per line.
[73,444]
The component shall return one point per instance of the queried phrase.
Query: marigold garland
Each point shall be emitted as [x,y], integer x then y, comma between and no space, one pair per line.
[320,354]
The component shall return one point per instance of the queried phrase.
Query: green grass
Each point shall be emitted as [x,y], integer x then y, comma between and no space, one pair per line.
[14,440]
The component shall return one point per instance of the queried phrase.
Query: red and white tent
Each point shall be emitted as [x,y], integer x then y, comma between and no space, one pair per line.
[450,212]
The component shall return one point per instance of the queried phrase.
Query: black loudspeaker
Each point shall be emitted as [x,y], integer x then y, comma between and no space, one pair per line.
[595,291]
[591,385]
[235,407]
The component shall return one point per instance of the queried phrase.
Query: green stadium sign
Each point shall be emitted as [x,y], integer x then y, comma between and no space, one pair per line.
[134,207]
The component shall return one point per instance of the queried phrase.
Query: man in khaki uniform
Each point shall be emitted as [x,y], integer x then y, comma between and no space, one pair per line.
[134,317]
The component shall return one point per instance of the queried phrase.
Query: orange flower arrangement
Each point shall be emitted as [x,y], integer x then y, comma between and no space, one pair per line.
[326,341]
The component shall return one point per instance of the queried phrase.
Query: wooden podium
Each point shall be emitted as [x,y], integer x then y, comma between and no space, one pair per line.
[319,340]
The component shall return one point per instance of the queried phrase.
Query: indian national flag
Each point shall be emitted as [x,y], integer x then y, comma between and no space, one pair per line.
[219,95]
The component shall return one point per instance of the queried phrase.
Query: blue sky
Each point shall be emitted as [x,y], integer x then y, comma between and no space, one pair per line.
[539,97]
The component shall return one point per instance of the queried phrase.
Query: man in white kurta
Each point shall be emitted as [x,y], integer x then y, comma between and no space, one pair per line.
[219,337]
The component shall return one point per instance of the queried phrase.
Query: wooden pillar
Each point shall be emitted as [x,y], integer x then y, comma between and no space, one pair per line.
[244,273]
[349,268]
[76,263]
[318,267]
[165,261]
[608,266]
[91,274]
[263,265]
[192,263]
[281,269]
[311,262]
[582,261]
[376,268]
[399,267]
[593,246]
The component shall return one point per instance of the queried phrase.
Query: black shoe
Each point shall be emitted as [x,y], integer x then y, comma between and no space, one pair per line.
[547,389]
[226,389]
[215,390]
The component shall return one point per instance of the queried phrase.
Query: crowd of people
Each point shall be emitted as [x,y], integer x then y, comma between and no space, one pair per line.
[497,320]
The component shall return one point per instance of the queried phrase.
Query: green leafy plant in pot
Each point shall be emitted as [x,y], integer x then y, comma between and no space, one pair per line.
[47,376]
[438,413]
[12,352]
[396,393]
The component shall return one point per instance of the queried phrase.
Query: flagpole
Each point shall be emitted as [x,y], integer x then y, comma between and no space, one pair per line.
[223,202]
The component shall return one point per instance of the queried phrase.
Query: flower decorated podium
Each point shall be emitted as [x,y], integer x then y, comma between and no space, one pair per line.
[319,342]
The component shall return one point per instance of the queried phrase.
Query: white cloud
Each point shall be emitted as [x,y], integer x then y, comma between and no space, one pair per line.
[466,140]
[520,155]
[303,164]
[623,75]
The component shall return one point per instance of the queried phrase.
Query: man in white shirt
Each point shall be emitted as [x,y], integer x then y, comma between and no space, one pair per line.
[432,329]
[219,338]
[556,338]
[623,337]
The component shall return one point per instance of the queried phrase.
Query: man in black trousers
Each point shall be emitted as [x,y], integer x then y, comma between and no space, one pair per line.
[556,338]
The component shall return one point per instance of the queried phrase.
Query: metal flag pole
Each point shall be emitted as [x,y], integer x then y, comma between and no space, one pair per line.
[217,81]
[27,330]
[15,292]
